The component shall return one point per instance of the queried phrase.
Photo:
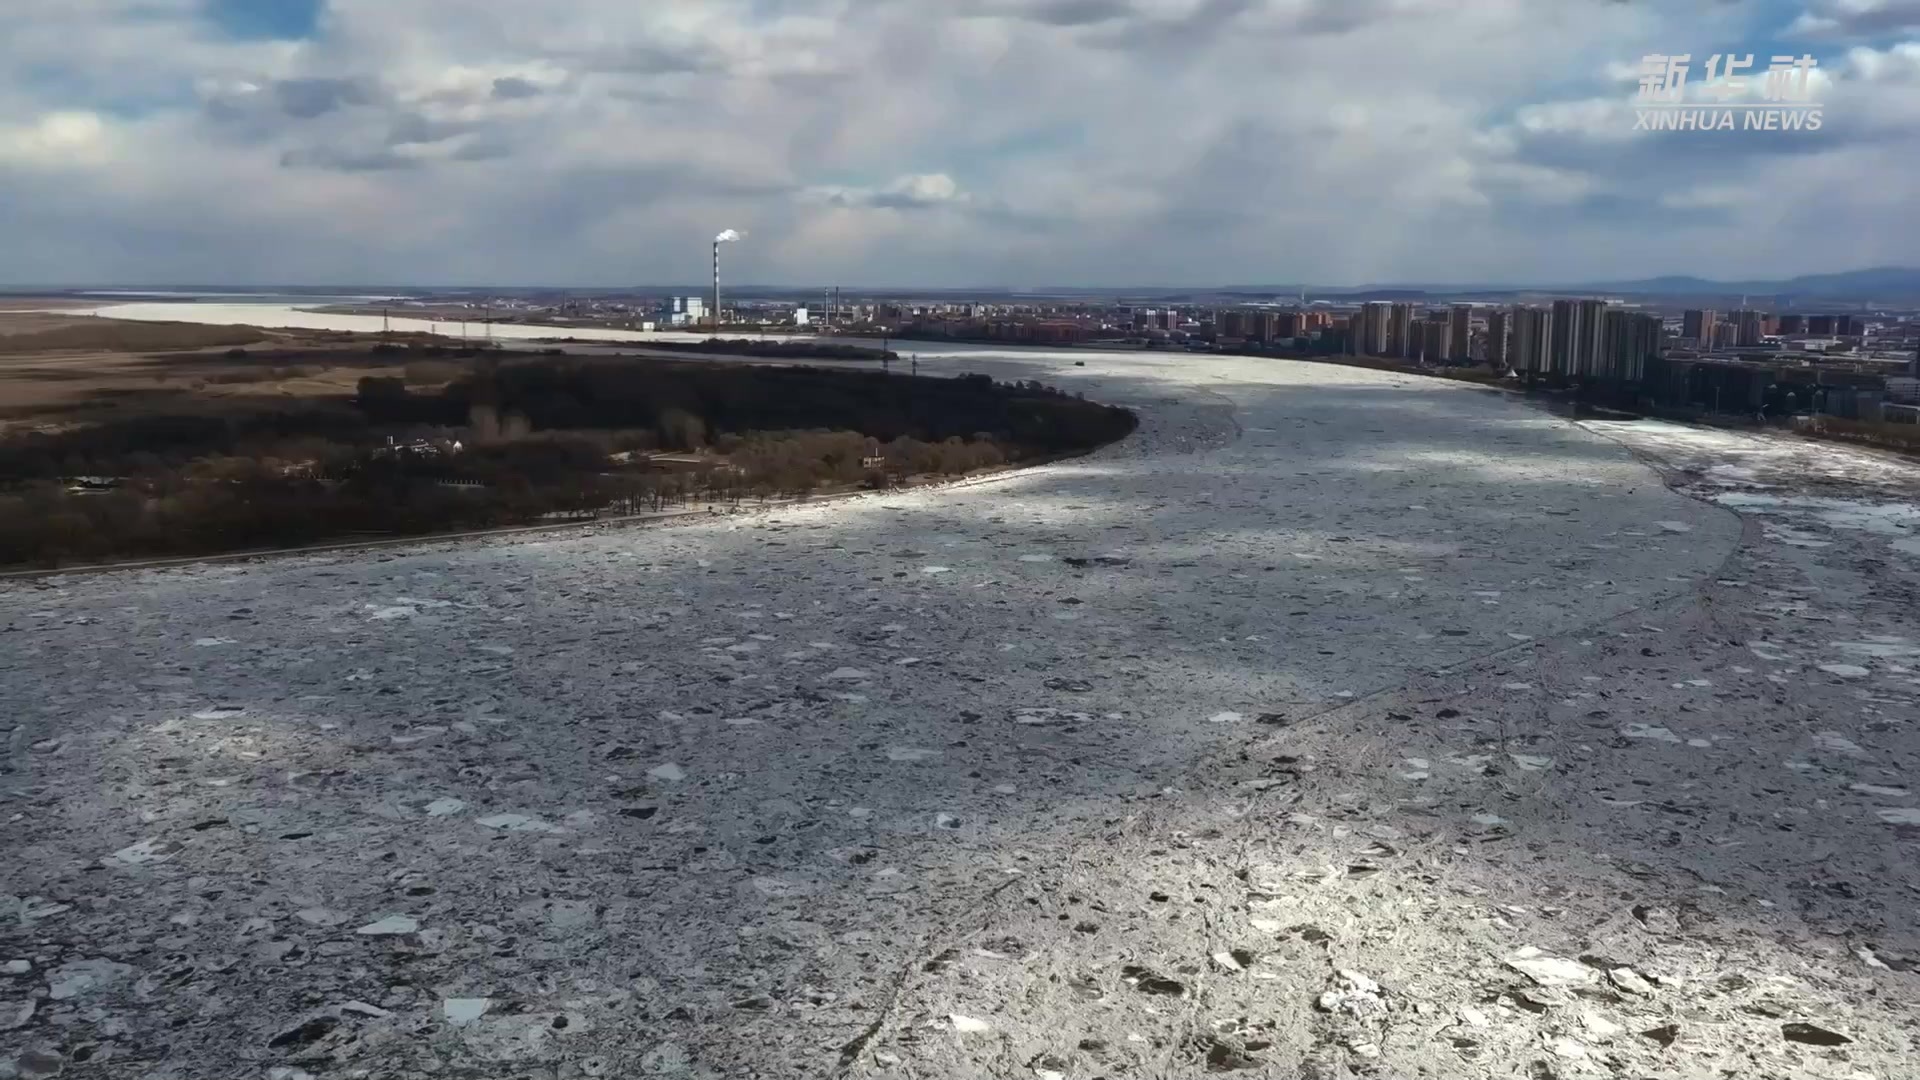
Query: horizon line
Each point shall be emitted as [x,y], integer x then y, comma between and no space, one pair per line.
[1278,288]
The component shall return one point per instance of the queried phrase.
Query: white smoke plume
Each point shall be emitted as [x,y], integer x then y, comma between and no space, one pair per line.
[729,237]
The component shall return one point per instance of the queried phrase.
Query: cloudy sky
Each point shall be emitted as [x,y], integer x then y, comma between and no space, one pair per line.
[934,142]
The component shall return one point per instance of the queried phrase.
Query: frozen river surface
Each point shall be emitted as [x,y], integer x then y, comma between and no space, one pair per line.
[786,793]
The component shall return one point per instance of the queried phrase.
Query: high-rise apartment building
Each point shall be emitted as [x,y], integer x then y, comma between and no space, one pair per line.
[1820,325]
[1532,340]
[1433,338]
[1627,339]
[1576,336]
[1401,339]
[1849,326]
[1791,324]
[1459,332]
[1698,325]
[1373,318]
[1497,322]
[1566,334]
[1746,328]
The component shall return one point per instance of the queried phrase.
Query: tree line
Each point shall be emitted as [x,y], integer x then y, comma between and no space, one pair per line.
[508,443]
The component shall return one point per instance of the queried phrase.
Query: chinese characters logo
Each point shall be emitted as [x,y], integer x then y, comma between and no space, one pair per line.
[1725,99]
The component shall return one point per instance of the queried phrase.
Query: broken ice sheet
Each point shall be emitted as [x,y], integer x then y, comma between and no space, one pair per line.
[1833,740]
[1881,647]
[1651,732]
[1879,789]
[153,850]
[391,926]
[462,1011]
[1549,970]
[319,916]
[516,823]
[80,977]
[1040,717]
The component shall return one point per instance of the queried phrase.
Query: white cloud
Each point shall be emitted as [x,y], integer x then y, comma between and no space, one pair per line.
[917,192]
[931,141]
[56,140]
[1854,18]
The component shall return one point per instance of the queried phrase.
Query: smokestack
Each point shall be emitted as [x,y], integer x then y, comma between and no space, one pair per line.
[727,236]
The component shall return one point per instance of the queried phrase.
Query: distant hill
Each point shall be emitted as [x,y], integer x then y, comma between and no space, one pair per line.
[1878,283]
[1881,284]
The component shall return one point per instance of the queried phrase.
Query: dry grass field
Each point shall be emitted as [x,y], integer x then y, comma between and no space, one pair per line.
[58,369]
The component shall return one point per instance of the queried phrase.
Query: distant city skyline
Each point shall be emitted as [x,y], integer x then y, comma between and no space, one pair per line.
[1117,144]
[1892,282]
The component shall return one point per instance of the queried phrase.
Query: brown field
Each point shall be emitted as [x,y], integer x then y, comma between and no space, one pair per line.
[39,303]
[59,369]
[42,333]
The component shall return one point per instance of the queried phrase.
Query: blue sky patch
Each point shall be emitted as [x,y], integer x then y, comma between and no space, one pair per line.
[266,20]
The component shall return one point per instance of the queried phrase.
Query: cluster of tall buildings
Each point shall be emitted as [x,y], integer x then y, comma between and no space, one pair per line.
[1746,329]
[1570,339]
[1167,319]
[1581,339]
[1402,331]
[1265,324]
